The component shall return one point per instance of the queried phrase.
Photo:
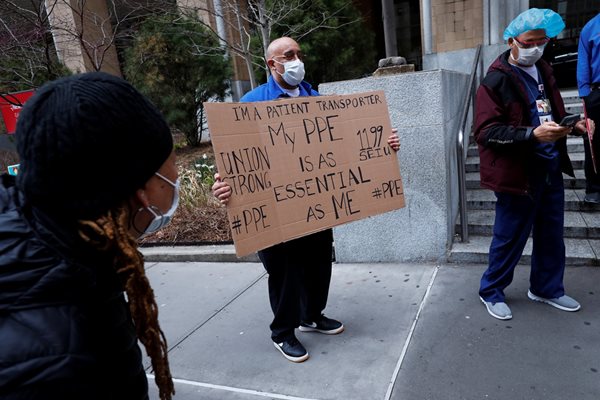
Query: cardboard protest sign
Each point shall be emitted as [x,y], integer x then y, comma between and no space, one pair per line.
[301,165]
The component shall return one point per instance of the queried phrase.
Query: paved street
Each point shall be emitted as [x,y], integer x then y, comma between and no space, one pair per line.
[413,332]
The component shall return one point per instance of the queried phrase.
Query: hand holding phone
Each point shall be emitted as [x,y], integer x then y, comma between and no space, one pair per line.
[570,120]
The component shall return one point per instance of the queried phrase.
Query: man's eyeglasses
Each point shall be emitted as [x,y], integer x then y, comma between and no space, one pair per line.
[532,43]
[291,55]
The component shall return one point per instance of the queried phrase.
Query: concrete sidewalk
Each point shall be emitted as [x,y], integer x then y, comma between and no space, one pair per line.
[413,331]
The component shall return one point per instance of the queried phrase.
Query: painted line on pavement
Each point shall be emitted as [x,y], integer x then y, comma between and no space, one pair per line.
[410,336]
[236,390]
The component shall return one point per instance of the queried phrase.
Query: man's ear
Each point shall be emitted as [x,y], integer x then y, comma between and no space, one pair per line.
[271,63]
[510,41]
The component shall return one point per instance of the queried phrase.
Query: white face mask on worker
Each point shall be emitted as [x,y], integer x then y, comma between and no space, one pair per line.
[293,72]
[529,56]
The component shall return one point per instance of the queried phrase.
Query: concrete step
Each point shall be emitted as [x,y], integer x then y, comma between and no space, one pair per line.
[574,108]
[574,145]
[577,158]
[573,103]
[582,220]
[578,225]
[472,180]
[569,92]
[205,253]
[579,252]
[484,199]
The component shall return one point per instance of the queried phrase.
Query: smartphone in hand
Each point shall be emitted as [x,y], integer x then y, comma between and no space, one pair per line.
[570,120]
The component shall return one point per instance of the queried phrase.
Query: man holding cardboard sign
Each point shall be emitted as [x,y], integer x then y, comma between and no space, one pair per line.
[299,269]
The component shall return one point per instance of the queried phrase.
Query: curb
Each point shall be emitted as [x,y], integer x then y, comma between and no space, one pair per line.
[209,253]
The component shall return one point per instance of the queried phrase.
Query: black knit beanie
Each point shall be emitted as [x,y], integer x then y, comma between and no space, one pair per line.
[86,143]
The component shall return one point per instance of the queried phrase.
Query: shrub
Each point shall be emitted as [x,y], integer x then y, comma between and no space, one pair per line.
[196,183]
[179,65]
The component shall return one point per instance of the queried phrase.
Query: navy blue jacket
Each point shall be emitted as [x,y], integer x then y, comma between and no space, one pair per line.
[65,327]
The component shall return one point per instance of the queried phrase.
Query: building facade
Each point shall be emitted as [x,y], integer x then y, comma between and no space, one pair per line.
[98,20]
[431,34]
[446,32]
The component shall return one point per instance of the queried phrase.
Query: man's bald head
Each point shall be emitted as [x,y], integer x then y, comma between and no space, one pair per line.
[280,51]
[280,45]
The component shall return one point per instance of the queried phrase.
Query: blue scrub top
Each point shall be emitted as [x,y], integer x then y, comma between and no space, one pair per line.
[547,151]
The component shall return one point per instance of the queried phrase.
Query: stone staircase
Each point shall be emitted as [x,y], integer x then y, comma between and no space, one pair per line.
[572,101]
[582,220]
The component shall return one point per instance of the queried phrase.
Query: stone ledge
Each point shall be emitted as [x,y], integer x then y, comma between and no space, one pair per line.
[211,253]
[396,69]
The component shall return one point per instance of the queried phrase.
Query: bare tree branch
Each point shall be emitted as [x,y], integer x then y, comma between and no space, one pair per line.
[98,34]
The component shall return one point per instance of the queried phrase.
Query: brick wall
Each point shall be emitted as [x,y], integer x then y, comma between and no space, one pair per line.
[456,24]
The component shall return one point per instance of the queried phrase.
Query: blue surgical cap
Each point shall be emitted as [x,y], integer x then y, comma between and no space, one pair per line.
[535,18]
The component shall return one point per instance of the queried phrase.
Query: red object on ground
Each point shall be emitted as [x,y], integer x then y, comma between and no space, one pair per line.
[10,105]
[590,137]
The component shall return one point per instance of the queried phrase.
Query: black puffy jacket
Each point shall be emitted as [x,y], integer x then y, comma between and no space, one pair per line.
[65,327]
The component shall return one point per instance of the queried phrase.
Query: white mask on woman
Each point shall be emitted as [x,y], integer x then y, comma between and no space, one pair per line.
[162,220]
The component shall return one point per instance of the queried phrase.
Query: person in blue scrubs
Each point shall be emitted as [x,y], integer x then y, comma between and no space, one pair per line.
[588,82]
[523,154]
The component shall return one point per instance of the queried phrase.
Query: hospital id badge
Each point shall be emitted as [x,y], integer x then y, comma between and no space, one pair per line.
[544,110]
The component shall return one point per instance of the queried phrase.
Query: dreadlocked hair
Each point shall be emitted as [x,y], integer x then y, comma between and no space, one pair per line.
[111,232]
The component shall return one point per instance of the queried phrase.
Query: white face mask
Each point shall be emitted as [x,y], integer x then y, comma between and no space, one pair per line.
[529,56]
[160,221]
[294,72]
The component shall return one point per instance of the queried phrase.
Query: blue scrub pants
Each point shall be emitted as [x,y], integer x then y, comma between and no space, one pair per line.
[516,216]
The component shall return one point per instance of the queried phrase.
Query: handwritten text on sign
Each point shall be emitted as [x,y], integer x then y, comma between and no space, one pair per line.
[298,166]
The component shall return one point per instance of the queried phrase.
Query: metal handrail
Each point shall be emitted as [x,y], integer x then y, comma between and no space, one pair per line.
[468,105]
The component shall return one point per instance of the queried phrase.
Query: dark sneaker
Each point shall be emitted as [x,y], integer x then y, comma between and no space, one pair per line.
[292,349]
[592,198]
[324,325]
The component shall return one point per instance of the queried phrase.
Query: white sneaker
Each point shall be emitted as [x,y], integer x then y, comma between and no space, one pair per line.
[564,303]
[498,310]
